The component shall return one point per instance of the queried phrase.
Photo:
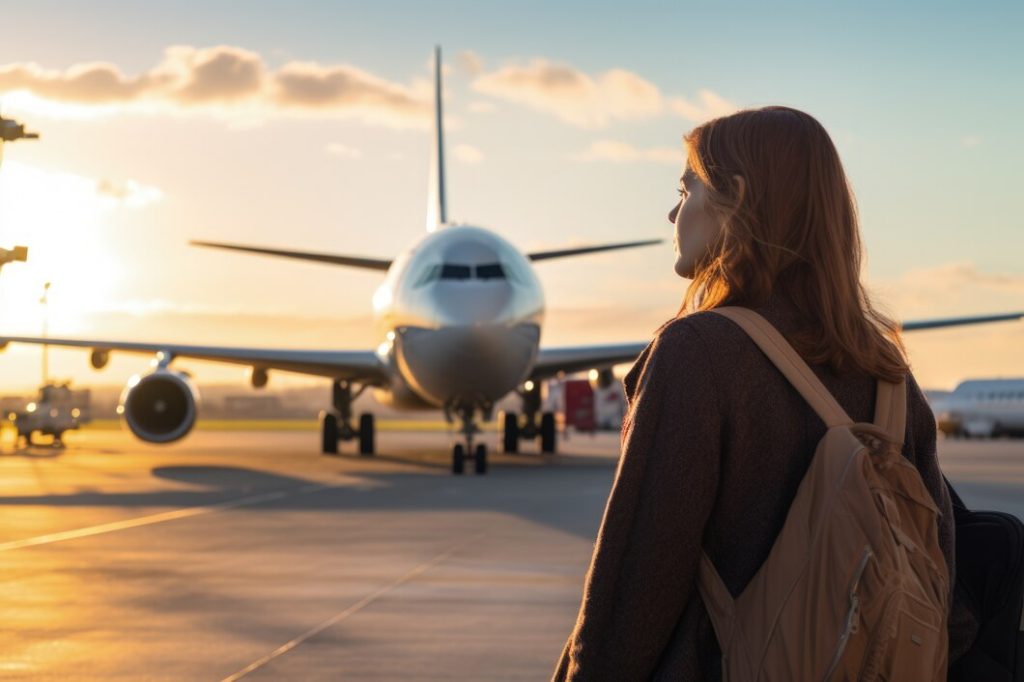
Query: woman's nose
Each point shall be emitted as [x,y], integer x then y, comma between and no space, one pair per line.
[672,214]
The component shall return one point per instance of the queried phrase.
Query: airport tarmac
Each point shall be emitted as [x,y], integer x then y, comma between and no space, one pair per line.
[250,556]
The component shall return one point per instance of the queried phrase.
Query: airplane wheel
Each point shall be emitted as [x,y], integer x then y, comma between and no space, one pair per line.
[366,428]
[329,427]
[511,440]
[458,459]
[480,459]
[547,433]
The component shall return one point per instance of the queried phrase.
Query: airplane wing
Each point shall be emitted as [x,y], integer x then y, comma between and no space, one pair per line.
[579,251]
[958,321]
[363,366]
[382,264]
[329,258]
[552,361]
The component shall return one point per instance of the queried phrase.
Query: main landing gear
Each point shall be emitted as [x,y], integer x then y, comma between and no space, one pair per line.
[336,424]
[460,452]
[514,431]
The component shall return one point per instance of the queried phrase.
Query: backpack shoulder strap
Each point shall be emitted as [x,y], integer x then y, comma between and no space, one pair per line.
[789,362]
[891,409]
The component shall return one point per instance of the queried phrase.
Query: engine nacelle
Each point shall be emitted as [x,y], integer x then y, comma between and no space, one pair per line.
[601,378]
[259,377]
[160,407]
[99,358]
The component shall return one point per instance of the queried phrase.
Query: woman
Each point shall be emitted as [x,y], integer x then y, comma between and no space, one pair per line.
[716,441]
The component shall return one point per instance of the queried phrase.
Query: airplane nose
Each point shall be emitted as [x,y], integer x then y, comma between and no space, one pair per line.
[481,361]
[472,303]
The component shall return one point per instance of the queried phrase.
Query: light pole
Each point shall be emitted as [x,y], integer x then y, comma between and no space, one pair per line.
[11,130]
[45,300]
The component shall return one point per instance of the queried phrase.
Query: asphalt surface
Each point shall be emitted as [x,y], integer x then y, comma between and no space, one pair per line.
[250,556]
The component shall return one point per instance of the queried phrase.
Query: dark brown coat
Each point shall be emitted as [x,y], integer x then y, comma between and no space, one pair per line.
[714,446]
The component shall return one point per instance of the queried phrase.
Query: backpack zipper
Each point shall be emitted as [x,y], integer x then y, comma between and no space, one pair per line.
[851,614]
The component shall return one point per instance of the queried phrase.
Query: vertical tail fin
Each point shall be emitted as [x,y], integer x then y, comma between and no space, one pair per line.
[437,212]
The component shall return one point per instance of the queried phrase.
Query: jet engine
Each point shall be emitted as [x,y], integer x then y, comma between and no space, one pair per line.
[99,358]
[160,407]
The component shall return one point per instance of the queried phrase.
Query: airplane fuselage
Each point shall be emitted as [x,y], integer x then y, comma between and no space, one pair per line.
[983,407]
[460,314]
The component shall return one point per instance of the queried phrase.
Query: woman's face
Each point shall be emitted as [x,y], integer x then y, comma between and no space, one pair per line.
[696,228]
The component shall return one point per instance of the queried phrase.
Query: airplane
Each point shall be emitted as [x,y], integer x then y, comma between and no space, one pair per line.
[460,313]
[982,408]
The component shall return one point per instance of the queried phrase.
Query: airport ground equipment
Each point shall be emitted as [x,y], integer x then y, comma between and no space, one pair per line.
[52,413]
[460,315]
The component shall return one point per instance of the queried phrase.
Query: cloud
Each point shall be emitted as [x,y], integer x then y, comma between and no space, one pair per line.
[944,357]
[215,74]
[470,63]
[129,192]
[573,96]
[93,83]
[953,276]
[468,154]
[710,105]
[481,107]
[307,85]
[344,151]
[228,79]
[951,289]
[621,152]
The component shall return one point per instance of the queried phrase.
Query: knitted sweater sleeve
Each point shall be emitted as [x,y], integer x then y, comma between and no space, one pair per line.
[643,571]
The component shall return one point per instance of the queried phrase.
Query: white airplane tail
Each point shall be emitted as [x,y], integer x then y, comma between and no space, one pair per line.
[437,213]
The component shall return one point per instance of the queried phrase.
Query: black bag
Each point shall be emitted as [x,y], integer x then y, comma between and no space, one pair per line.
[990,575]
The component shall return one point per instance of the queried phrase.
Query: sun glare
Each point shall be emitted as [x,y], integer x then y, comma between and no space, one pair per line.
[61,217]
[33,106]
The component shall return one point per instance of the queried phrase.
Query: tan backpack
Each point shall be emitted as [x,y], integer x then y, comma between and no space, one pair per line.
[855,586]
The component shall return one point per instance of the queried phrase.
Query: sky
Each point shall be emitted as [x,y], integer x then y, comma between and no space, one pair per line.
[305,125]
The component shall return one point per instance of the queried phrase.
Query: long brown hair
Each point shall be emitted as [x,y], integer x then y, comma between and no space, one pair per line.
[790,228]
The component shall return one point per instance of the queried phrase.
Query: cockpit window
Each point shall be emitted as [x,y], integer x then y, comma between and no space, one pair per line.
[490,271]
[456,271]
[429,275]
[450,271]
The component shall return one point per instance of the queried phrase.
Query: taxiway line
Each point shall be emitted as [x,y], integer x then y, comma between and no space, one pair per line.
[355,608]
[151,519]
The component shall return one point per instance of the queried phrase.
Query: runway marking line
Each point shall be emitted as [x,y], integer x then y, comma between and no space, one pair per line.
[355,608]
[174,515]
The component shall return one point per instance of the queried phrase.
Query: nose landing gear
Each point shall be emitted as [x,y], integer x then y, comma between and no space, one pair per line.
[336,425]
[466,414]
